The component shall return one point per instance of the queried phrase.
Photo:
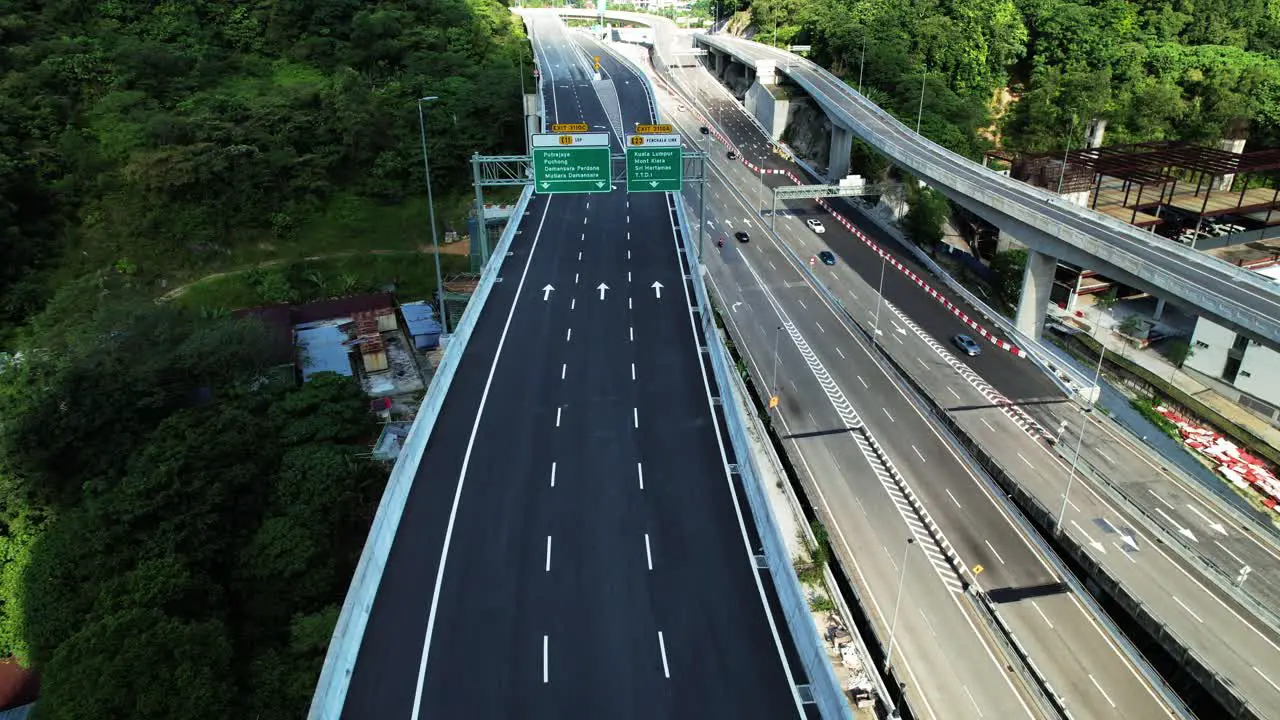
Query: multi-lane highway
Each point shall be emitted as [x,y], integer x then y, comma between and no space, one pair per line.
[573,544]
[1190,517]
[1233,642]
[823,373]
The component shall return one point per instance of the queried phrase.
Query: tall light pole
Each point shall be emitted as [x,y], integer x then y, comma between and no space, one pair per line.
[774,385]
[702,191]
[1084,418]
[761,210]
[431,209]
[897,604]
[879,298]
[861,62]
[920,111]
[1063,174]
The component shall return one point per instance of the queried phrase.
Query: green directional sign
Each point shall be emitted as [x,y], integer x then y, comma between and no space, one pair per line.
[654,163]
[572,163]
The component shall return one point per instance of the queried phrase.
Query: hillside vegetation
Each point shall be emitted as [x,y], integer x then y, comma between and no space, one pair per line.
[1193,70]
[179,522]
[144,141]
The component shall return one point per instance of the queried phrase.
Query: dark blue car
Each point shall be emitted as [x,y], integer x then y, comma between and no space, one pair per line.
[827,257]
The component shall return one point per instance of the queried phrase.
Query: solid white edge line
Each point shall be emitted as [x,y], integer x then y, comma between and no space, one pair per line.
[462,475]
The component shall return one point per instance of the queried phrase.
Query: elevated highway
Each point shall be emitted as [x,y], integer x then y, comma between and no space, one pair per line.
[1051,227]
[573,543]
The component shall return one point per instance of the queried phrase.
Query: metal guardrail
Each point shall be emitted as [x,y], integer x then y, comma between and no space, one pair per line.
[348,633]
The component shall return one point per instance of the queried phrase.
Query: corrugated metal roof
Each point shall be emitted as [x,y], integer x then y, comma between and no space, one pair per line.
[322,348]
[421,318]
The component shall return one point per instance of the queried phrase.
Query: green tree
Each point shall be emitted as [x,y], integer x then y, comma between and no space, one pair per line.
[928,211]
[1007,270]
[1178,352]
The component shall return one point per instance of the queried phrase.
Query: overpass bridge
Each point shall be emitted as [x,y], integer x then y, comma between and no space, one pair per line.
[1051,227]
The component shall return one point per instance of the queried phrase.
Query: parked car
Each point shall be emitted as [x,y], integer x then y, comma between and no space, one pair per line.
[967,345]
[815,225]
[827,257]
[732,155]
[741,236]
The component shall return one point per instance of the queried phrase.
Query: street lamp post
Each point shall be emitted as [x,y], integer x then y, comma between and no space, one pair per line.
[431,210]
[897,604]
[702,191]
[1063,174]
[1084,418]
[879,297]
[920,110]
[776,337]
[761,210]
[861,62]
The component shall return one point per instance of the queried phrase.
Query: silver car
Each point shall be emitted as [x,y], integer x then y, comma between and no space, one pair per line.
[967,345]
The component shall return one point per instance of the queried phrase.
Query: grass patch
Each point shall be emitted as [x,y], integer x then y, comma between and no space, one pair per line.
[1147,409]
[412,275]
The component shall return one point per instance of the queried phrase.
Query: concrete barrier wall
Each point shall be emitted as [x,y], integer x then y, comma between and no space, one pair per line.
[340,660]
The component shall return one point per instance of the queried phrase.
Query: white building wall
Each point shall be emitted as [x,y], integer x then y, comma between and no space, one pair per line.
[1259,373]
[1262,365]
[1211,343]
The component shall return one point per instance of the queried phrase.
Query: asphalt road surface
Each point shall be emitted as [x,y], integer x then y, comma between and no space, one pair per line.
[1233,642]
[573,544]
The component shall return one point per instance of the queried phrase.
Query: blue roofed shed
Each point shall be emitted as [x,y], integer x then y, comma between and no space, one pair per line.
[420,317]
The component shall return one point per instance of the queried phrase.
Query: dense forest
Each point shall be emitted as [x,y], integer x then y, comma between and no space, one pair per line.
[1028,74]
[178,522]
[141,140]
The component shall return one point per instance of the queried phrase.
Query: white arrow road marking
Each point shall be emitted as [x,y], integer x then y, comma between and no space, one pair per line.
[1128,539]
[546,291]
[657,288]
[734,307]
[895,327]
[1215,525]
[1181,529]
[1093,543]
[602,287]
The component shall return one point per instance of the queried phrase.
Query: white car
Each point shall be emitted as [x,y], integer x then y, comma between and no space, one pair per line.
[815,225]
[683,108]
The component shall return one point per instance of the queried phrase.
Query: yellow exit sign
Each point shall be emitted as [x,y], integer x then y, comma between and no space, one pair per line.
[653,129]
[569,127]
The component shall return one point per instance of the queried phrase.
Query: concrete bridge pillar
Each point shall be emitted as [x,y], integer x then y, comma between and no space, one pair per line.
[1005,241]
[720,58]
[838,155]
[1037,281]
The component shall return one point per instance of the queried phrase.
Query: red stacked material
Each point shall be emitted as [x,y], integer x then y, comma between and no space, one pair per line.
[1239,467]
